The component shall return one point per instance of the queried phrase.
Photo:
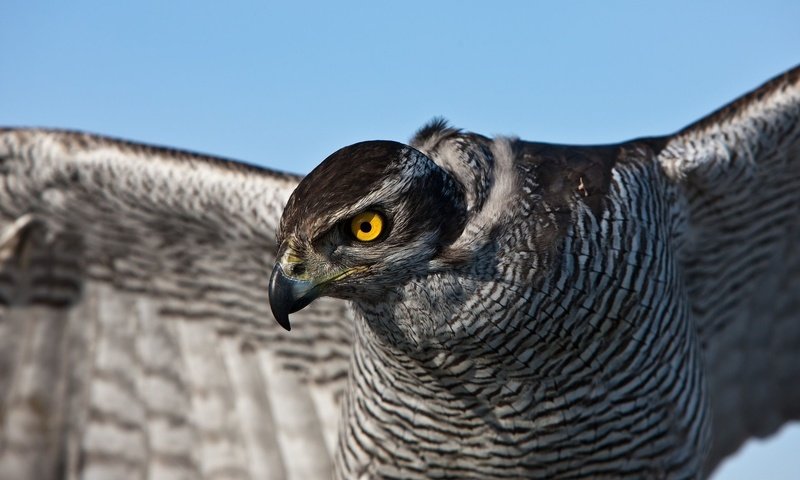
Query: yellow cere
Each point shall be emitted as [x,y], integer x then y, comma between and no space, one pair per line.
[367,226]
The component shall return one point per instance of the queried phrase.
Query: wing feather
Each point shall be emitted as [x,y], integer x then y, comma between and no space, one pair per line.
[739,170]
[135,333]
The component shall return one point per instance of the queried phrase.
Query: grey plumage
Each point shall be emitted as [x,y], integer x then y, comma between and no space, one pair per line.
[135,313]
[573,311]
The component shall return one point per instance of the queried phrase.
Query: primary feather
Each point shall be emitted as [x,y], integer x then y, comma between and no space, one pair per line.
[602,311]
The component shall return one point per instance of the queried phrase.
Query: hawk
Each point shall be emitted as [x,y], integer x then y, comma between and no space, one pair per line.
[462,306]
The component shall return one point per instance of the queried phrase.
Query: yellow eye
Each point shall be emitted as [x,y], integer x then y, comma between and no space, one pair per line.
[367,226]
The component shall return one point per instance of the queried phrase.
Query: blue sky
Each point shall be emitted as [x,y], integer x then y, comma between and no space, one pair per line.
[285,85]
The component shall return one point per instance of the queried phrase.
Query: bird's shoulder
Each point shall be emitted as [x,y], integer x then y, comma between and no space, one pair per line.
[560,175]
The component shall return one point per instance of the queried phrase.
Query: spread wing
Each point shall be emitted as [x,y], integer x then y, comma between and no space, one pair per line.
[740,171]
[135,333]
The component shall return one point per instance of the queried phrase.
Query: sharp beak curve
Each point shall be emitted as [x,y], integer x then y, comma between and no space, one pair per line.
[288,295]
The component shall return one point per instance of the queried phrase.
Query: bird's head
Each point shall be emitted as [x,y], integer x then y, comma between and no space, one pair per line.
[369,218]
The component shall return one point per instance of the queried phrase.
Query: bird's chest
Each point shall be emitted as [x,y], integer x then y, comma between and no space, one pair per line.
[410,419]
[485,379]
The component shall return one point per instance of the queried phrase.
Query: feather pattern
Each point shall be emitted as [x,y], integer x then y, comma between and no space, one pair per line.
[137,337]
[739,174]
[632,310]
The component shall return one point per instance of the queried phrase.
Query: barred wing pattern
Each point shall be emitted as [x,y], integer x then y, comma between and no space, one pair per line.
[136,339]
[740,171]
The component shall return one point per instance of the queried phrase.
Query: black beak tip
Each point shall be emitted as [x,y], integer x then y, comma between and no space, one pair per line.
[280,298]
[288,295]
[283,321]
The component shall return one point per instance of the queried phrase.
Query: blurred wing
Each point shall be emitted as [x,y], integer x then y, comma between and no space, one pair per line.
[136,339]
[740,171]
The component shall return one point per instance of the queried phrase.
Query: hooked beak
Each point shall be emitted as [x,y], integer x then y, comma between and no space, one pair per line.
[288,295]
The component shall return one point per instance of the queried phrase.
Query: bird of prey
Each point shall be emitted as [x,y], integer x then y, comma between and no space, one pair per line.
[461,306]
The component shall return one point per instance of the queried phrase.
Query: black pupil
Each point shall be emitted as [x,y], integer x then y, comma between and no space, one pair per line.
[365,227]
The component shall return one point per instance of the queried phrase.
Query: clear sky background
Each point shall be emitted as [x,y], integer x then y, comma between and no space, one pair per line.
[284,86]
